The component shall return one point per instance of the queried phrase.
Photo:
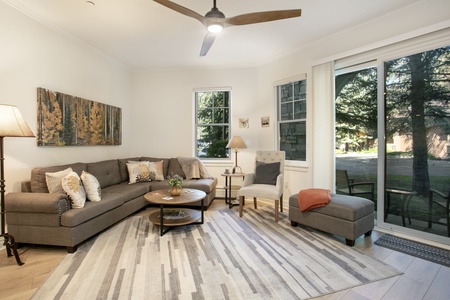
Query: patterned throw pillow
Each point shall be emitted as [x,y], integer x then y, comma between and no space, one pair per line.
[73,187]
[54,181]
[91,186]
[156,170]
[139,171]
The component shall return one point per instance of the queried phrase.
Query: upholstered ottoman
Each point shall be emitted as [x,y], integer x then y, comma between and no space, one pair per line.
[346,216]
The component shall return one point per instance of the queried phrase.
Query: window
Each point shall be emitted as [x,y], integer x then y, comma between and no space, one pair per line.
[291,99]
[212,123]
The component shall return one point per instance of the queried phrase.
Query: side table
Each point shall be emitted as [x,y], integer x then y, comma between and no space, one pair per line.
[229,187]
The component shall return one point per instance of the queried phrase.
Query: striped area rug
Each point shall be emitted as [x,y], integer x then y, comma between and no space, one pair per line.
[225,258]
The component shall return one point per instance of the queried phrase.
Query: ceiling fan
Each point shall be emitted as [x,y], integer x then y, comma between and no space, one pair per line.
[215,21]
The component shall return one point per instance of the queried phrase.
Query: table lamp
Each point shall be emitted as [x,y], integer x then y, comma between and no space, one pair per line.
[236,143]
[12,124]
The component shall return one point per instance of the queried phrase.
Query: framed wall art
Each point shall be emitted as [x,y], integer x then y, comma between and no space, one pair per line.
[64,120]
[243,123]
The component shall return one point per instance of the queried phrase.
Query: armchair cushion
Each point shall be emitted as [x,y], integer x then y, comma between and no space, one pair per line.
[267,173]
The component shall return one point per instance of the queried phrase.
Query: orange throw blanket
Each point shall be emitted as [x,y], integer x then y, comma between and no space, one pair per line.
[312,198]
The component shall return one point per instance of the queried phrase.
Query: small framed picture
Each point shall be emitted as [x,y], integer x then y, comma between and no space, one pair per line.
[243,123]
[265,121]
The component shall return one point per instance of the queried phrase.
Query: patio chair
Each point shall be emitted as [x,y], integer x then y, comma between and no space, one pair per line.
[440,201]
[347,186]
[266,182]
[403,207]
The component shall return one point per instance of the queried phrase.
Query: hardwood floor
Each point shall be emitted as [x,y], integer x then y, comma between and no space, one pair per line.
[421,279]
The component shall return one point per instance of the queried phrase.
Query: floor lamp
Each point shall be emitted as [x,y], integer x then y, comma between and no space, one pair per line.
[11,125]
[236,143]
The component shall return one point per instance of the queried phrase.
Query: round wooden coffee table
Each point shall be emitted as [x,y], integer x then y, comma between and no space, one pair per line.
[173,216]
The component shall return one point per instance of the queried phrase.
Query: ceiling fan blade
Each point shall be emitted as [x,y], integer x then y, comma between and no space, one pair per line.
[207,43]
[182,10]
[264,16]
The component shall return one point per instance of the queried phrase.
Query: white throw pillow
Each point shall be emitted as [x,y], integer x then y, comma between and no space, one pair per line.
[73,187]
[156,170]
[54,181]
[138,171]
[91,186]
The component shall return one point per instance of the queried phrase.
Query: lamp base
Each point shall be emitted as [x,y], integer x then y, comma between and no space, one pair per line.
[237,170]
[11,247]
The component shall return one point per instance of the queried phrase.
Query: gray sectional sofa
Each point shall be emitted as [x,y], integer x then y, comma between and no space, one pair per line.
[35,216]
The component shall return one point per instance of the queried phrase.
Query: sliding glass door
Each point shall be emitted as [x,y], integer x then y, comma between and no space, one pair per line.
[417,130]
[356,134]
[393,129]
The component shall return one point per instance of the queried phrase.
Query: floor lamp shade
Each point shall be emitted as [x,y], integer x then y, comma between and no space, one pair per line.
[12,124]
[236,143]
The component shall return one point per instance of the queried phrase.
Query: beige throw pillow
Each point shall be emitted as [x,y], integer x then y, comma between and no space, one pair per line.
[73,187]
[91,186]
[54,181]
[138,171]
[156,170]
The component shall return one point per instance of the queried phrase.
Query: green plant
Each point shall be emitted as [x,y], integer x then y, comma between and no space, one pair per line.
[175,180]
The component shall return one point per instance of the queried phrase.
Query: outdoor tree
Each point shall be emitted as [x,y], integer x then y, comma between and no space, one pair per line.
[212,124]
[356,108]
[417,96]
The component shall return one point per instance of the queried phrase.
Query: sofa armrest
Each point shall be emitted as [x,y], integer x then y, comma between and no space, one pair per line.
[37,203]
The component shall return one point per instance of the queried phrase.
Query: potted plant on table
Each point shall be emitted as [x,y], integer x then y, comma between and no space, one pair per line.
[175,182]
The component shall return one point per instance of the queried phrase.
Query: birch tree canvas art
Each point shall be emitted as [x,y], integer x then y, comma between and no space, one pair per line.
[64,120]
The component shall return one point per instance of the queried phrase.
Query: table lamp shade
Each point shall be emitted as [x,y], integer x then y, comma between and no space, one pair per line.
[12,123]
[236,142]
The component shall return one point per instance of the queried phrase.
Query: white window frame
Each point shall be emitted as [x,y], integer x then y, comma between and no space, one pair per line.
[276,84]
[195,118]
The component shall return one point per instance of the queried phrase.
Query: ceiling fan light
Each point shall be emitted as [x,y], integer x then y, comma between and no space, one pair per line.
[215,28]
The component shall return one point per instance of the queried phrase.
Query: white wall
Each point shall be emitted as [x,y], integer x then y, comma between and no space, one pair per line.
[31,56]
[163,111]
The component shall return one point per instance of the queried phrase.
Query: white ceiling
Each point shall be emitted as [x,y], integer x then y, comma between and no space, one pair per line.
[143,34]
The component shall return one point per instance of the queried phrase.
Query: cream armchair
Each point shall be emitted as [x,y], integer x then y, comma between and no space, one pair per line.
[266,182]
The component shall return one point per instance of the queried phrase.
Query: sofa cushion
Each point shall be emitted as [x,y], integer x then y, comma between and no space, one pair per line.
[206,185]
[155,159]
[175,168]
[74,188]
[75,217]
[107,172]
[123,167]
[91,186]
[38,183]
[128,191]
[54,180]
